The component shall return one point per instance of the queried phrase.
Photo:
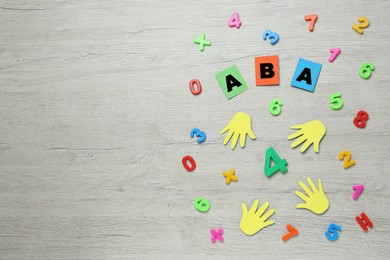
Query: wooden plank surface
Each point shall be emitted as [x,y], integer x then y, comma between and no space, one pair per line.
[95,117]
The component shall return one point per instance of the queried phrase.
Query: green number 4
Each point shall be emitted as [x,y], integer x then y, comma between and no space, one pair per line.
[280,164]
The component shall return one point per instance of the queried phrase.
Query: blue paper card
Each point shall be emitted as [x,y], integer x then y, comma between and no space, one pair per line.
[306,75]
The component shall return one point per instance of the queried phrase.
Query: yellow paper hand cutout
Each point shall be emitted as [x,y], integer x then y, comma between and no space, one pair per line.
[239,126]
[254,220]
[310,133]
[316,200]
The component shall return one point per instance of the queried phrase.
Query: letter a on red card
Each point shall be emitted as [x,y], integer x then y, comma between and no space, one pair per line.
[267,70]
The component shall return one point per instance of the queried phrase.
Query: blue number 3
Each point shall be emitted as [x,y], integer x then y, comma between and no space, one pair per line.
[272,36]
[200,134]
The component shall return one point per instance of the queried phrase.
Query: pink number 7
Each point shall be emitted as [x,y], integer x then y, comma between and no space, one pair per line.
[334,53]
[312,18]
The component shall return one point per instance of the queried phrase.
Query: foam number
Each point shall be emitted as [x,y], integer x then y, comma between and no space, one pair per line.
[336,102]
[366,70]
[312,18]
[360,119]
[235,21]
[280,164]
[363,23]
[292,231]
[358,189]
[348,162]
[334,53]
[198,89]
[275,107]
[202,205]
[364,221]
[332,234]
[200,134]
[185,161]
[272,36]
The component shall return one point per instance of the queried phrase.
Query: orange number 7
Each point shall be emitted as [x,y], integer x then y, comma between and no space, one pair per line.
[312,18]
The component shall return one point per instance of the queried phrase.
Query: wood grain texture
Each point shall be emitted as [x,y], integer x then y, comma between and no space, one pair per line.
[95,116]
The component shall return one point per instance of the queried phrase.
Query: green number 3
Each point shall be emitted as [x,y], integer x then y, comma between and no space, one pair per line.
[275,107]
[335,101]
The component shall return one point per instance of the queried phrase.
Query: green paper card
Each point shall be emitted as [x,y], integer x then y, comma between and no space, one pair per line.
[231,82]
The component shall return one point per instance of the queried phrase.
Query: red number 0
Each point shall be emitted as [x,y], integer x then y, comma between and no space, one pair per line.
[185,161]
[198,89]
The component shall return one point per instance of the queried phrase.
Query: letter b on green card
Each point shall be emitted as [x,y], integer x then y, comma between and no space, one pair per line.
[231,82]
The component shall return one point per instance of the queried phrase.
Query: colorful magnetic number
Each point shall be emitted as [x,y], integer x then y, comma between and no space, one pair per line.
[332,234]
[272,36]
[348,162]
[334,53]
[336,102]
[198,89]
[191,160]
[275,107]
[235,21]
[358,189]
[200,134]
[366,70]
[201,204]
[363,23]
[292,231]
[364,221]
[312,18]
[280,164]
[360,119]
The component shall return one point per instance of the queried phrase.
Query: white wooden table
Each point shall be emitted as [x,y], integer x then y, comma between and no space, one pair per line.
[95,116]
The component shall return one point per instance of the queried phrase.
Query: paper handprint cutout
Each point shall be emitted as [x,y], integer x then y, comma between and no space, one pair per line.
[316,200]
[254,220]
[309,133]
[238,127]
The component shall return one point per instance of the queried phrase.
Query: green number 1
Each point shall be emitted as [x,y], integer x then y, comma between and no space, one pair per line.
[280,164]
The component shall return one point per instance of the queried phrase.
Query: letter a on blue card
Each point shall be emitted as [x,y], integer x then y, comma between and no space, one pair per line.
[306,75]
